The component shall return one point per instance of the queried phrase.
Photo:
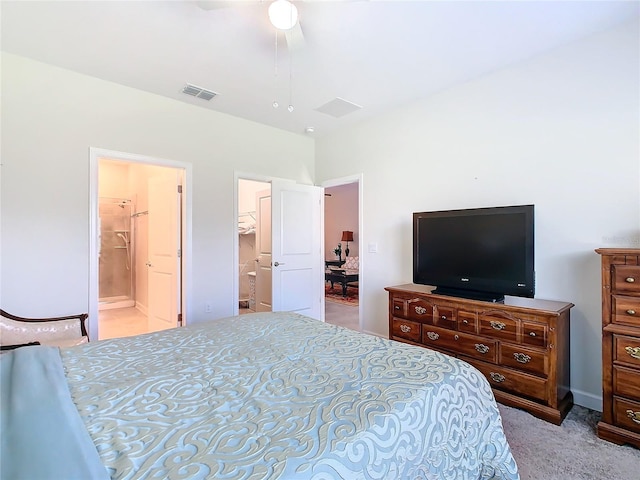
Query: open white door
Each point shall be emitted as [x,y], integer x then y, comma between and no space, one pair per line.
[297,279]
[263,251]
[164,244]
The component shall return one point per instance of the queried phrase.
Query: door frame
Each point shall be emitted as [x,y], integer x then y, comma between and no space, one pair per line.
[237,175]
[97,154]
[336,182]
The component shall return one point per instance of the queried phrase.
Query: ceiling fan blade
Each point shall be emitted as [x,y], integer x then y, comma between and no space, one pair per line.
[295,37]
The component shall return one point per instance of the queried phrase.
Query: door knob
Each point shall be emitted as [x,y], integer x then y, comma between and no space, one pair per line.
[277,264]
[148,264]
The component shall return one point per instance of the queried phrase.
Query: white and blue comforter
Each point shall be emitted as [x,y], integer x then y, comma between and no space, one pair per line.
[278,395]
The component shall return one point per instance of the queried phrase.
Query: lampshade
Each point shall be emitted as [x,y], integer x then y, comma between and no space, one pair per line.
[283,14]
[347,236]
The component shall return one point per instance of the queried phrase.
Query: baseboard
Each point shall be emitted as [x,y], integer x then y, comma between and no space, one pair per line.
[374,334]
[587,400]
[142,308]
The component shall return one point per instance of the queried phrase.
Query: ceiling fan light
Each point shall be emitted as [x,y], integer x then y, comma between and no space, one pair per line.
[283,14]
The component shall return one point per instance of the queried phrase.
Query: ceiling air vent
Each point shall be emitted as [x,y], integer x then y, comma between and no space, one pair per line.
[338,107]
[198,92]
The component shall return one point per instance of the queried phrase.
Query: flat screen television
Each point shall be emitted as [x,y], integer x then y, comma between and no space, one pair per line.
[479,253]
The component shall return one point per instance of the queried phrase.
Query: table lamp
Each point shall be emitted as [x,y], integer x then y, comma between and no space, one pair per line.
[347,236]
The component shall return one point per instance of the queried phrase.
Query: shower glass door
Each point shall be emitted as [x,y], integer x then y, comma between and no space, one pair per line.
[115,255]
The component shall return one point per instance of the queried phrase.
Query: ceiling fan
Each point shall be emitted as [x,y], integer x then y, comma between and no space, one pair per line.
[283,15]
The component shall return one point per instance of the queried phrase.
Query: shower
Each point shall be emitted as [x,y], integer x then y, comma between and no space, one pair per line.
[123,236]
[115,256]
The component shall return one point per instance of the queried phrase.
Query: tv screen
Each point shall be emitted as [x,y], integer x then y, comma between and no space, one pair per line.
[482,253]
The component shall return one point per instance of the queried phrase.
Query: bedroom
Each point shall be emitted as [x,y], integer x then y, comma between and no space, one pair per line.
[559,130]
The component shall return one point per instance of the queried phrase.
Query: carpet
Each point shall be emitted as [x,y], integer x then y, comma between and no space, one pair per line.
[571,451]
[335,294]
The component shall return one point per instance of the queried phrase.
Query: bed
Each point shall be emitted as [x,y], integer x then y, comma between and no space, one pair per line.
[259,396]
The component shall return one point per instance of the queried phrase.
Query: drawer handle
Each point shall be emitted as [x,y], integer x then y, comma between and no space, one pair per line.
[631,312]
[465,322]
[630,280]
[532,334]
[420,310]
[633,351]
[522,357]
[433,336]
[405,328]
[443,317]
[497,325]
[482,348]
[634,416]
[496,377]
[397,307]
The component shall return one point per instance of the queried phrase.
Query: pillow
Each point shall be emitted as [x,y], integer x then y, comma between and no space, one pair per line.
[352,263]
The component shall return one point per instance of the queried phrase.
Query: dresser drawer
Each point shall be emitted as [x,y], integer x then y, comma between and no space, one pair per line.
[626,382]
[625,310]
[626,414]
[397,307]
[625,278]
[406,329]
[534,361]
[520,383]
[461,343]
[626,350]
[535,334]
[498,327]
[467,321]
[420,310]
[445,317]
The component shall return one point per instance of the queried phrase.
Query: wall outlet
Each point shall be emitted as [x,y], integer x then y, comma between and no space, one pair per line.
[208,307]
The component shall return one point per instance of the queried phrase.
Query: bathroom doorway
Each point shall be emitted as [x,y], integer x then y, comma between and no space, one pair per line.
[139,245]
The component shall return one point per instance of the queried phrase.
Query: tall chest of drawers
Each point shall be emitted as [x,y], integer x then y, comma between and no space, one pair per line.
[521,345]
[620,346]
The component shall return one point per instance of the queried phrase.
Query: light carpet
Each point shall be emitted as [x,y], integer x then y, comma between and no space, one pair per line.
[571,451]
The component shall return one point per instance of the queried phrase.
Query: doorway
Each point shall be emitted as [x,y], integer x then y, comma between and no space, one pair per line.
[288,248]
[342,246]
[140,244]
[254,246]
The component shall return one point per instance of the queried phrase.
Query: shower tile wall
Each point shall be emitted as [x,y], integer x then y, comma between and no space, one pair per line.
[115,277]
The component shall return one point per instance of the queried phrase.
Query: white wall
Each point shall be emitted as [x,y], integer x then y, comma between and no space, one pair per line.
[50,118]
[560,131]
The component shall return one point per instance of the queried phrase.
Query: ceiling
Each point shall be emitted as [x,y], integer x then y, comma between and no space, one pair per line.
[377,55]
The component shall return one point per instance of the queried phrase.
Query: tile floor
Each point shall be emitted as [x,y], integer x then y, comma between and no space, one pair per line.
[126,322]
[121,322]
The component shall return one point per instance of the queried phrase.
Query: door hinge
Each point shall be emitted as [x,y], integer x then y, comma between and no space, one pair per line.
[179,188]
[179,253]
[179,319]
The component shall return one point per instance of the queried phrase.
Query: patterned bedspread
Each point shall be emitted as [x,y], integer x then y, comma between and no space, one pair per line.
[267,396]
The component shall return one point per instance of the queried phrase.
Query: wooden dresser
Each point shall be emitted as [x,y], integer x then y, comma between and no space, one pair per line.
[521,345]
[620,346]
